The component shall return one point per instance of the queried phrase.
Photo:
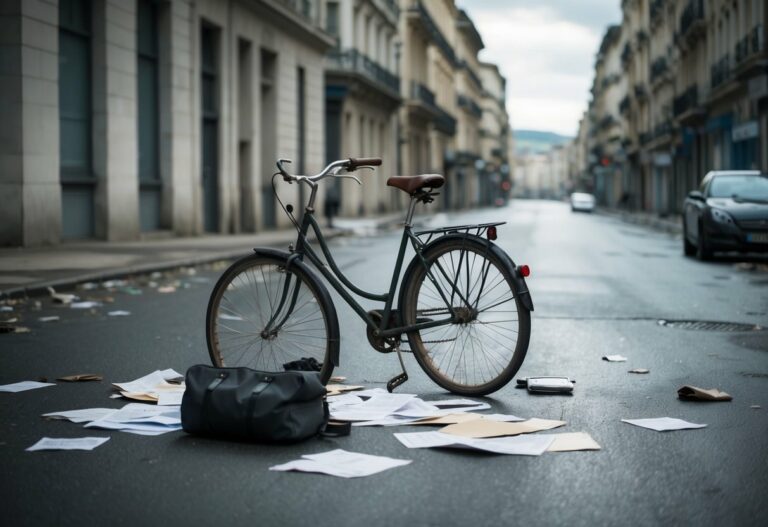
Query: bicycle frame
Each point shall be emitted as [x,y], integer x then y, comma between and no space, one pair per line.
[342,284]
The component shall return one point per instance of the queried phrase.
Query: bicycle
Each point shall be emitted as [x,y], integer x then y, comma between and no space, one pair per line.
[463,304]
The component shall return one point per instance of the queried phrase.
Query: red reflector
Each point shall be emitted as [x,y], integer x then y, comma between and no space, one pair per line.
[491,232]
[524,270]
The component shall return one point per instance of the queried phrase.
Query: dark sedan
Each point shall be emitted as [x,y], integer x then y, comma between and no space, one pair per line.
[729,212]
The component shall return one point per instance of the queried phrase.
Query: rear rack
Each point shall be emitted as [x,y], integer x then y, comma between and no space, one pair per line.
[477,229]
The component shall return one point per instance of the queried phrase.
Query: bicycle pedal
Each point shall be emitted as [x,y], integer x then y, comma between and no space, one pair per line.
[396,381]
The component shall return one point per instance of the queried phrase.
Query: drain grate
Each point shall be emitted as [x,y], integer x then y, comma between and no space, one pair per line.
[708,325]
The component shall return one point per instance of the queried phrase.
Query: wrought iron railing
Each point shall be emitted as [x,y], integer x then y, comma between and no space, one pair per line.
[658,68]
[625,104]
[466,102]
[693,12]
[434,31]
[444,122]
[721,71]
[423,94]
[688,100]
[353,60]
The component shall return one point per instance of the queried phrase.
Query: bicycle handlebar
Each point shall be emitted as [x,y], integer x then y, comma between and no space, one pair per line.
[349,165]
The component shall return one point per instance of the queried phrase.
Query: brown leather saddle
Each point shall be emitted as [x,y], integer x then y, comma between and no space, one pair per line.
[414,184]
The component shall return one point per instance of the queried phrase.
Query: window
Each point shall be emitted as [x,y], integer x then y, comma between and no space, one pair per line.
[332,18]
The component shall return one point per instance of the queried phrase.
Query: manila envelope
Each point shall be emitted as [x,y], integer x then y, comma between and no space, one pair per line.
[478,428]
[573,441]
[448,419]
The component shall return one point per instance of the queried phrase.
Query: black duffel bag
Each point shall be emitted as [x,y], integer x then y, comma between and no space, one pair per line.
[245,404]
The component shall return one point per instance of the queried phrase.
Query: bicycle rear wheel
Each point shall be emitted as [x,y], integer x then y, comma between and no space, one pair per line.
[485,346]
[273,318]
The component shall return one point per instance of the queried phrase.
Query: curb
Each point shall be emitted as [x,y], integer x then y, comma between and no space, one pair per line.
[658,224]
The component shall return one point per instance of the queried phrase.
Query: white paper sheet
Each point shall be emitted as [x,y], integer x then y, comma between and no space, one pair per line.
[139,417]
[615,358]
[377,407]
[166,398]
[77,443]
[24,386]
[523,445]
[151,382]
[84,305]
[663,424]
[52,318]
[81,416]
[344,399]
[342,464]
[390,420]
[119,313]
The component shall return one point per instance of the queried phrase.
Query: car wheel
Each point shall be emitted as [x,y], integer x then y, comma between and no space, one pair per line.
[688,248]
[703,250]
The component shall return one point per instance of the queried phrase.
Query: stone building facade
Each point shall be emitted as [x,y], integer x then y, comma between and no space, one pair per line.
[696,73]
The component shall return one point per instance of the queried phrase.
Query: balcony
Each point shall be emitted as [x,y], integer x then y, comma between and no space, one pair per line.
[642,38]
[644,137]
[472,74]
[662,129]
[393,8]
[624,105]
[656,8]
[444,122]
[419,13]
[659,68]
[749,46]
[641,92]
[422,94]
[692,21]
[471,106]
[352,61]
[626,54]
[687,101]
[720,71]
[606,122]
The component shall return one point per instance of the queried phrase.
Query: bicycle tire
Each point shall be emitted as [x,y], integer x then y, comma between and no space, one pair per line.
[247,296]
[484,339]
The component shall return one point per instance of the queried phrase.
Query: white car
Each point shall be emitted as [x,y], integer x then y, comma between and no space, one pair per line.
[582,201]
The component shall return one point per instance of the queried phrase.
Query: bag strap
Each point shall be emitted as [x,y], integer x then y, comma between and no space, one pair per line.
[206,396]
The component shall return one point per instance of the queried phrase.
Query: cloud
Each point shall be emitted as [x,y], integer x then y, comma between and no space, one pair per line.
[546,51]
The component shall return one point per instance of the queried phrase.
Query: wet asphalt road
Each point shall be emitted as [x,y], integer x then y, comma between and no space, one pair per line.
[599,287]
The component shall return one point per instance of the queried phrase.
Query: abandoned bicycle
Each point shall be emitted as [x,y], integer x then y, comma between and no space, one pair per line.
[463,304]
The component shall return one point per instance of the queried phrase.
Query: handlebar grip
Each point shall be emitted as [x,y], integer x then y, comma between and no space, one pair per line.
[363,161]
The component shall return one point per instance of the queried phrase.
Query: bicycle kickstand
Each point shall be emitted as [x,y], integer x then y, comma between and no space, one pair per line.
[400,378]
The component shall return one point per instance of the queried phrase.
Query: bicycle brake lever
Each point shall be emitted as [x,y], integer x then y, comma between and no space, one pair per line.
[350,177]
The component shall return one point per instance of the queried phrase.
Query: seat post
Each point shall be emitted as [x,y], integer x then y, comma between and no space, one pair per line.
[411,209]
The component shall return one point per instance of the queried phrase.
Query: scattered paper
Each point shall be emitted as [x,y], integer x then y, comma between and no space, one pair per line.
[119,313]
[166,289]
[77,443]
[5,309]
[377,407]
[448,419]
[572,441]
[482,428]
[504,418]
[342,464]
[528,445]
[138,417]
[694,393]
[337,379]
[615,358]
[755,407]
[88,304]
[83,377]
[81,416]
[170,398]
[52,318]
[640,370]
[149,387]
[8,328]
[663,424]
[24,386]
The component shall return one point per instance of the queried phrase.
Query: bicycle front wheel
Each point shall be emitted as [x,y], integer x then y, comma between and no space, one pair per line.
[272,317]
[483,347]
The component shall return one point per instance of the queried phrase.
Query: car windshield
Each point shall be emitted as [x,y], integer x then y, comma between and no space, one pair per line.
[740,187]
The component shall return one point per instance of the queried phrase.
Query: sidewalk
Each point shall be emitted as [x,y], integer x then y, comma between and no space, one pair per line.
[30,271]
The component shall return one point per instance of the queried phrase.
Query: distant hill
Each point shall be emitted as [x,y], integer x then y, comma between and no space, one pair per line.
[535,141]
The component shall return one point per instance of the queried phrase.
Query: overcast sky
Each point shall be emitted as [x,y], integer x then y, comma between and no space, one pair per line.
[546,50]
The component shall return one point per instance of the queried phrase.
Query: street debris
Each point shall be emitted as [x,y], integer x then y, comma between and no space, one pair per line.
[23,386]
[615,358]
[81,377]
[61,298]
[134,291]
[694,393]
[342,464]
[6,327]
[87,304]
[337,389]
[77,443]
[337,379]
[149,387]
[6,309]
[573,441]
[663,424]
[640,370]
[528,445]
[52,318]
[119,313]
[482,428]
[141,419]
[166,289]
[547,385]
[755,406]
[80,416]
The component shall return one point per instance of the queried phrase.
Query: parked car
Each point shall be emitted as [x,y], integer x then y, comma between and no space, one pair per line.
[582,201]
[729,212]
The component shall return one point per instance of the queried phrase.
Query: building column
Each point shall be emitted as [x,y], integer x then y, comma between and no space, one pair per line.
[29,128]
